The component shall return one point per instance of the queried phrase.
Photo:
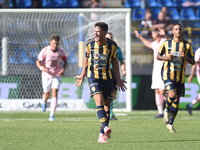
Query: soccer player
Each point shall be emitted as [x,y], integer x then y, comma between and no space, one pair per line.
[51,58]
[100,53]
[196,65]
[175,52]
[157,82]
[120,57]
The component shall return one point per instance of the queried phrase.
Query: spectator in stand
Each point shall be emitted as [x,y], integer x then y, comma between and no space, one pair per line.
[165,12]
[96,4]
[146,24]
[37,3]
[162,23]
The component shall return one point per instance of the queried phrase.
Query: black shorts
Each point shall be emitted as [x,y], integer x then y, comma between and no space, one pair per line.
[175,86]
[114,81]
[101,86]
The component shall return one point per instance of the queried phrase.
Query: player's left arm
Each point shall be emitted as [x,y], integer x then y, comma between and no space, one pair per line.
[120,82]
[189,56]
[64,58]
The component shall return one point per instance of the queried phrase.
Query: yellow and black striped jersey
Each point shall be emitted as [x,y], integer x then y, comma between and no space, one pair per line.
[100,59]
[175,69]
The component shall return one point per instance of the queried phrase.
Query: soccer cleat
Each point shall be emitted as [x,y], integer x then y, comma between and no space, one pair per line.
[113,118]
[51,118]
[159,116]
[189,109]
[171,128]
[107,131]
[44,107]
[102,139]
[107,137]
[166,116]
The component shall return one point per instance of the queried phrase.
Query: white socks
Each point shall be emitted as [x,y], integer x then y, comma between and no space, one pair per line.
[53,106]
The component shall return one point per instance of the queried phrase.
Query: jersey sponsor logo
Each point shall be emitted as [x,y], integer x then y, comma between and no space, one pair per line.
[100,60]
[175,53]
[176,62]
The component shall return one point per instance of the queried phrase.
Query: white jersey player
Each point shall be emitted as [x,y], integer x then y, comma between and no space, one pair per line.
[49,62]
[157,82]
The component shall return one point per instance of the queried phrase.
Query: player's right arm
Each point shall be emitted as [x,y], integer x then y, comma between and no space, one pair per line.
[38,64]
[146,42]
[41,57]
[80,78]
[161,53]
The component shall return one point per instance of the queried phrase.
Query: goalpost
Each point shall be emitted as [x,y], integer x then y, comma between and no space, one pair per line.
[24,32]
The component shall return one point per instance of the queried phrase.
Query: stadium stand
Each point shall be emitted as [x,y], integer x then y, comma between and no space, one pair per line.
[132,3]
[198,13]
[155,12]
[167,3]
[178,3]
[138,14]
[173,13]
[153,3]
[187,14]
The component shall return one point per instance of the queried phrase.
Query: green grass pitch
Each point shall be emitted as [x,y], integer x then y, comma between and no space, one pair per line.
[79,130]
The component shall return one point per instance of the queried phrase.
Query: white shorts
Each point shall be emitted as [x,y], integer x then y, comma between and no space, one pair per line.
[50,83]
[157,82]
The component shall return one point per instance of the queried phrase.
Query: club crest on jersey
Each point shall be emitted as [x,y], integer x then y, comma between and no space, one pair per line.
[93,89]
[168,87]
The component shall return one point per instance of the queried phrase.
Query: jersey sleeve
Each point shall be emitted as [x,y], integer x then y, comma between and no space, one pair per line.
[41,56]
[120,56]
[114,56]
[87,52]
[63,55]
[190,52]
[161,50]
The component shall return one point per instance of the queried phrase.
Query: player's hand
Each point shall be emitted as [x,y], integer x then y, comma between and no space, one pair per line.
[45,70]
[137,34]
[189,80]
[182,54]
[62,71]
[170,56]
[121,85]
[123,72]
[79,80]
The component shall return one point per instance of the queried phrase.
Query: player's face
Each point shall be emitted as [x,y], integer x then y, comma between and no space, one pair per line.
[54,45]
[99,34]
[177,31]
[108,36]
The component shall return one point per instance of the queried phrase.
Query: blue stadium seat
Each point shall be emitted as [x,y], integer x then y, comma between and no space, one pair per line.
[173,13]
[155,12]
[24,4]
[153,3]
[138,14]
[52,4]
[196,1]
[187,14]
[132,3]
[198,13]
[167,3]
[71,4]
[19,57]
[178,3]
